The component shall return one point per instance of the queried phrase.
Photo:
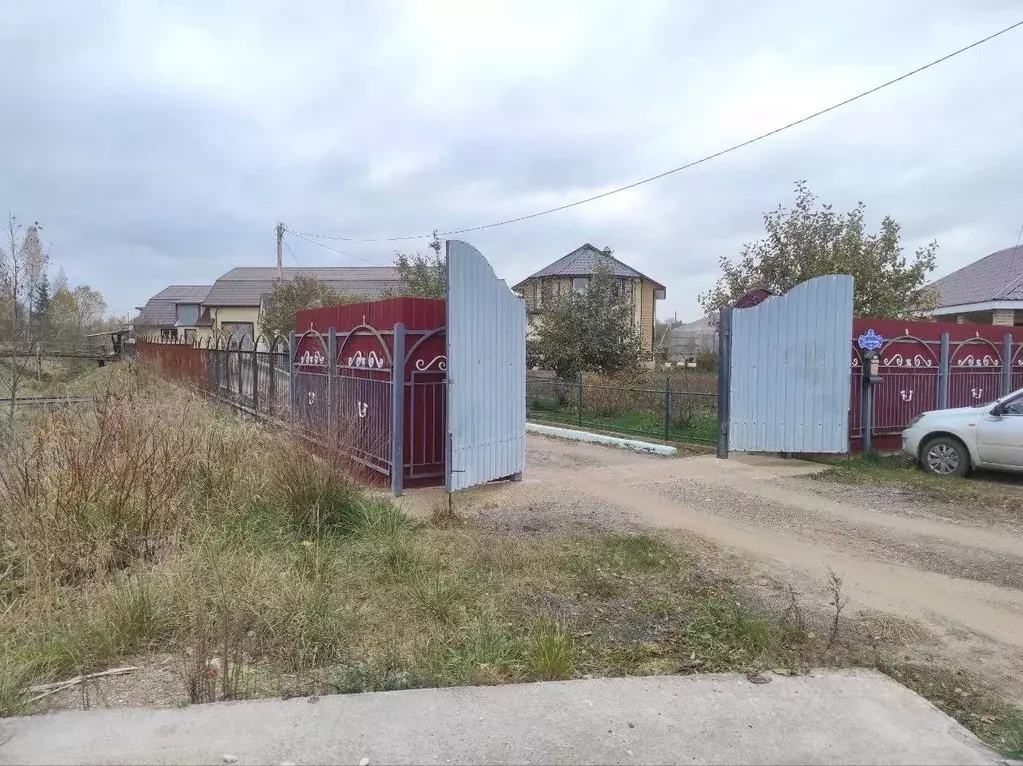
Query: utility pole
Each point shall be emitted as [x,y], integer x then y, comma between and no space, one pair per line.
[280,229]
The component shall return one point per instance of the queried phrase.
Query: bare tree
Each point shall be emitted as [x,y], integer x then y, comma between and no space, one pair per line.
[89,309]
[21,260]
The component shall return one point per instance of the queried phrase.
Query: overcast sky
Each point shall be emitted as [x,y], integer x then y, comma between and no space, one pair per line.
[159,142]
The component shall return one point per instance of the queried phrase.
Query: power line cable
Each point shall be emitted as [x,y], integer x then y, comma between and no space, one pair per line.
[1010,286]
[288,244]
[306,238]
[688,165]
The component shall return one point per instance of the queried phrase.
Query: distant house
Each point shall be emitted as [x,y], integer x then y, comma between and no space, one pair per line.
[573,273]
[234,303]
[173,313]
[988,291]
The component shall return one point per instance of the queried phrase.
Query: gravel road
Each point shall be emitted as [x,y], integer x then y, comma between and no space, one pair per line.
[957,581]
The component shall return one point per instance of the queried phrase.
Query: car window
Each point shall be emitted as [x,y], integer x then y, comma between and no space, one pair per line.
[1013,408]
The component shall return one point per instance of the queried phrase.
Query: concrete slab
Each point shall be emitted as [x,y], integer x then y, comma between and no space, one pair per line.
[846,717]
[596,438]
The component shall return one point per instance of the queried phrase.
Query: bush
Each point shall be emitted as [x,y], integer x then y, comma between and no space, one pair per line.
[608,396]
[707,361]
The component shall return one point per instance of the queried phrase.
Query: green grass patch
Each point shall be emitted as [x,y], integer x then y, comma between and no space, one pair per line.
[992,496]
[702,429]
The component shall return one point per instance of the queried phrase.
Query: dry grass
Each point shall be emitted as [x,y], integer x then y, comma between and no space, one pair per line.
[159,523]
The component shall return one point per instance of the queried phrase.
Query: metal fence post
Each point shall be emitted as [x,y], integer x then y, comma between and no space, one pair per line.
[579,400]
[255,378]
[724,379]
[332,397]
[1007,365]
[943,373]
[398,411]
[292,376]
[867,406]
[667,405]
[272,383]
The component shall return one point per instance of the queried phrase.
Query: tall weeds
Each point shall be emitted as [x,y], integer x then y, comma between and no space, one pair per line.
[89,492]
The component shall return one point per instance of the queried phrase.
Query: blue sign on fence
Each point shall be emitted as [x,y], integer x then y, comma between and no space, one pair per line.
[870,341]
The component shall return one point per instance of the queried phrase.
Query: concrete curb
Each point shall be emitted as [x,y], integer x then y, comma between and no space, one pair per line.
[592,438]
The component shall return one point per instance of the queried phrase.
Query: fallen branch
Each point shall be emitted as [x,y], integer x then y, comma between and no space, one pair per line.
[45,690]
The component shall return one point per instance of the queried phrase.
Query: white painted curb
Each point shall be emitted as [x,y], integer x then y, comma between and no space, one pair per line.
[611,441]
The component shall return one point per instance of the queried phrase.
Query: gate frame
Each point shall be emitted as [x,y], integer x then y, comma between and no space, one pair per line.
[785,314]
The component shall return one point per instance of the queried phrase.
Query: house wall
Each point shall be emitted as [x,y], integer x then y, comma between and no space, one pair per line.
[644,304]
[237,314]
[648,311]
[1003,317]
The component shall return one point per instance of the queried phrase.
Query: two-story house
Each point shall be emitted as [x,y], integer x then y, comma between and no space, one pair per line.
[573,273]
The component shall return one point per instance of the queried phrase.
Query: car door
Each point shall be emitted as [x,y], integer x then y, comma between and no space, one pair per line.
[1000,437]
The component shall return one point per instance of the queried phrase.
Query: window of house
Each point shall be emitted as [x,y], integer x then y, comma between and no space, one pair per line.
[579,284]
[169,334]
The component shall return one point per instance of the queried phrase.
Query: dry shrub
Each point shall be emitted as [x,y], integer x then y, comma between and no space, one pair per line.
[95,490]
[608,396]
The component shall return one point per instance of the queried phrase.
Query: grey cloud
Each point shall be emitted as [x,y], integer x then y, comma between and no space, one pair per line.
[150,165]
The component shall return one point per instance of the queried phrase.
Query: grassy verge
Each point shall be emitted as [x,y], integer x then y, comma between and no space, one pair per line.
[159,523]
[990,496]
[55,377]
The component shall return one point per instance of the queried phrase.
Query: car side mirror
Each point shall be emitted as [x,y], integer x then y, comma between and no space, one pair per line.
[997,411]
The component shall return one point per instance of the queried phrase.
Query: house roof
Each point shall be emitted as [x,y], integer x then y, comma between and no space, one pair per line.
[583,262]
[161,311]
[996,277]
[245,285]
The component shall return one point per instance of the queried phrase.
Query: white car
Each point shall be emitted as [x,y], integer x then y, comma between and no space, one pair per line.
[954,442]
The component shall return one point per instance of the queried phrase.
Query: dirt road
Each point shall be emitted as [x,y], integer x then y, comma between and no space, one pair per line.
[960,581]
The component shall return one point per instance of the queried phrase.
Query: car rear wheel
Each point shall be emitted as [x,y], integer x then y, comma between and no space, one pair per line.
[945,456]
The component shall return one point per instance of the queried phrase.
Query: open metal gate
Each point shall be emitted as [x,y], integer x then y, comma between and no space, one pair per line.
[486,354]
[784,370]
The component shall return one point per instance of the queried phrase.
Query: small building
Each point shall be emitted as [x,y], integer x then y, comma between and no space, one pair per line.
[685,342]
[988,291]
[173,313]
[573,272]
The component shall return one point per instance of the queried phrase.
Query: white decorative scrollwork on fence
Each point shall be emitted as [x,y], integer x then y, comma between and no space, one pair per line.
[971,361]
[907,395]
[917,360]
[359,360]
[976,393]
[313,359]
[311,398]
[362,408]
[441,361]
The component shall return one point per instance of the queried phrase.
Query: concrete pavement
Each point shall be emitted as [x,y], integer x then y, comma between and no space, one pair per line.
[853,717]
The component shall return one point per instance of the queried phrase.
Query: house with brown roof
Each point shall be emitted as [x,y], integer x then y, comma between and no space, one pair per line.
[988,291]
[173,313]
[234,303]
[573,272]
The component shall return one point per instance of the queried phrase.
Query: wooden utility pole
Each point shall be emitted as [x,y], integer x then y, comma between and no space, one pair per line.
[280,229]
